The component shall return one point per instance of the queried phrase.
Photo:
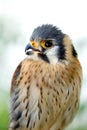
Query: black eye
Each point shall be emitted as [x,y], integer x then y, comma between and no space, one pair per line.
[48,44]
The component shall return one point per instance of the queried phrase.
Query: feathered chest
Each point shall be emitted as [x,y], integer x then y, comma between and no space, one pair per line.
[41,92]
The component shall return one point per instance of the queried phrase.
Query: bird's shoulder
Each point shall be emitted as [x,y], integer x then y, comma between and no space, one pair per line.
[26,69]
[22,66]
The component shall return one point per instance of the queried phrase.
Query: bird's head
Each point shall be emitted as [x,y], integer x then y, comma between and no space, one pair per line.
[48,43]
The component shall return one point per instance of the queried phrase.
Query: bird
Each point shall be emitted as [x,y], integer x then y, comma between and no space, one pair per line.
[46,85]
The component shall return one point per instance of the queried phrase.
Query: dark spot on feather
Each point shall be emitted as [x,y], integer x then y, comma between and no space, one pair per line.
[68,92]
[48,113]
[49,76]
[71,77]
[37,84]
[16,126]
[26,73]
[73,88]
[16,105]
[21,78]
[56,100]
[42,79]
[46,103]
[25,98]
[25,82]
[28,121]
[61,90]
[63,122]
[46,120]
[40,110]
[76,102]
[26,111]
[74,83]
[29,77]
[69,108]
[17,92]
[74,53]
[33,124]
[54,81]
[59,105]
[70,80]
[17,116]
[57,92]
[41,92]
[41,71]
[15,98]
[48,93]
[18,82]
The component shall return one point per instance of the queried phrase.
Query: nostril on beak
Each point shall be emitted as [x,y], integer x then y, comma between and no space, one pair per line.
[28,49]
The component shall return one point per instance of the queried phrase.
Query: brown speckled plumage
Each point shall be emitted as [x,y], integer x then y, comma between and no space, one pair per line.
[45,96]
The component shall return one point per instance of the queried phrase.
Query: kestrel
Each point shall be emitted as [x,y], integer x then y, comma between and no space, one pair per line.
[45,88]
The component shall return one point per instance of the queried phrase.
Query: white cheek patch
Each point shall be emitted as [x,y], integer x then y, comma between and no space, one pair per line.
[52,55]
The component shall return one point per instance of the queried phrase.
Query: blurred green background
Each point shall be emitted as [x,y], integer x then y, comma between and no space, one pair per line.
[17,20]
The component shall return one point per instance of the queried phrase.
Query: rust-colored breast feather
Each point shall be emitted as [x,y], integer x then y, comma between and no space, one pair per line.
[44,96]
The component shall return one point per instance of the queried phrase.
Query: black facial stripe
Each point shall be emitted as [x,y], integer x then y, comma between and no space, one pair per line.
[44,57]
[43,49]
[61,52]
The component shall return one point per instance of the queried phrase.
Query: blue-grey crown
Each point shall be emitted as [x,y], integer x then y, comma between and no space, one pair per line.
[47,31]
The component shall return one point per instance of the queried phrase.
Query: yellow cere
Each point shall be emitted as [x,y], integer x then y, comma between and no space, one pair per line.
[34,44]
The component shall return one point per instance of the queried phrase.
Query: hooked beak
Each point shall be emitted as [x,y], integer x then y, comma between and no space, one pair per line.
[29,49]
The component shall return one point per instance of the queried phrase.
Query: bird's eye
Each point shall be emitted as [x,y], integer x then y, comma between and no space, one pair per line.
[48,44]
